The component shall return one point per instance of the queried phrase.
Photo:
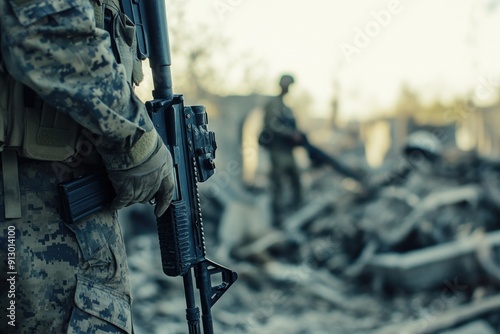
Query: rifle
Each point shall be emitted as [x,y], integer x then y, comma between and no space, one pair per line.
[192,146]
[317,155]
[320,157]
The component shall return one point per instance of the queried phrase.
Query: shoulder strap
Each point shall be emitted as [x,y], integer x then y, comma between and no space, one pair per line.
[98,13]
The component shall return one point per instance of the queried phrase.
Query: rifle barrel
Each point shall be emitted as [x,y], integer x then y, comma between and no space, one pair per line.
[159,44]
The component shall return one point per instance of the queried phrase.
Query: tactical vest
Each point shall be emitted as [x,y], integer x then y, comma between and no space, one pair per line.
[33,129]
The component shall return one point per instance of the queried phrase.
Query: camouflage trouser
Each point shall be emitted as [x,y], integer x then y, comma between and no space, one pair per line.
[285,178]
[63,278]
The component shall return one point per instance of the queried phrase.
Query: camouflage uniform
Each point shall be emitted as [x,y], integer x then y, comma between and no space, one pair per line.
[279,123]
[69,278]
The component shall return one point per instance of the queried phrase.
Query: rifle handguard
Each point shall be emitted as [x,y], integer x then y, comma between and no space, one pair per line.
[175,244]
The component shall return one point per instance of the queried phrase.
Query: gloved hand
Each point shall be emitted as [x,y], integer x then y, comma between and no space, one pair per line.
[142,174]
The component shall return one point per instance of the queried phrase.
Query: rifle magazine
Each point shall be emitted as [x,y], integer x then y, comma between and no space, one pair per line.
[85,195]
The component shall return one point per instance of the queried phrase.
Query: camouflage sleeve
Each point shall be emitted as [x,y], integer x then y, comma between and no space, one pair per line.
[54,47]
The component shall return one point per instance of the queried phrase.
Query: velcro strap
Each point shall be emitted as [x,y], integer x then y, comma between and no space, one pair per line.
[11,189]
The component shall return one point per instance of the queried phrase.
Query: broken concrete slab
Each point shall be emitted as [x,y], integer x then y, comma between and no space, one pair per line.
[467,193]
[430,267]
[445,319]
[475,327]
[310,211]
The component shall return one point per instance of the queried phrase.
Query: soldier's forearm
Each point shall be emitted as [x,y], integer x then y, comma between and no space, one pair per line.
[63,57]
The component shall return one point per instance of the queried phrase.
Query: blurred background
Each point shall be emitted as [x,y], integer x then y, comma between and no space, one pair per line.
[404,93]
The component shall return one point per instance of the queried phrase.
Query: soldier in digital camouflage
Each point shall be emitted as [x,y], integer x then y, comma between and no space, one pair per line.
[282,136]
[70,278]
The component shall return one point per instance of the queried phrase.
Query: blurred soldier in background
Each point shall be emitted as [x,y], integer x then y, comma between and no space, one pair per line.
[67,108]
[280,135]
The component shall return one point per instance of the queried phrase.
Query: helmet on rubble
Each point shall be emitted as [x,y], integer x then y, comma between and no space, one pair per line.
[423,144]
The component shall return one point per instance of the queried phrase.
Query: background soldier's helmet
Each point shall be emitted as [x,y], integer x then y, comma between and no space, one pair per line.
[286,80]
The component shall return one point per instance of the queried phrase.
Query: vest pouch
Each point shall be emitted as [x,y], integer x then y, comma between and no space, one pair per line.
[125,44]
[124,40]
[49,134]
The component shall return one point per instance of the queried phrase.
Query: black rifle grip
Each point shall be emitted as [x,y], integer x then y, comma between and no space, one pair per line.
[175,243]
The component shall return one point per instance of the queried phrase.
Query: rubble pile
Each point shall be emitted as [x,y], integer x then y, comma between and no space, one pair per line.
[416,253]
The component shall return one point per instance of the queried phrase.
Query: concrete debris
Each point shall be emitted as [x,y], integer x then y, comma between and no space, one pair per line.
[431,266]
[418,252]
[446,319]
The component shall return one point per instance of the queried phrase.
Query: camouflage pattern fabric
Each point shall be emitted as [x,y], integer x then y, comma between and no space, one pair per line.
[78,74]
[280,122]
[69,278]
[286,188]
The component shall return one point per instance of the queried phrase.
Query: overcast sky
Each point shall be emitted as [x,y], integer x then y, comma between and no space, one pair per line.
[439,47]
